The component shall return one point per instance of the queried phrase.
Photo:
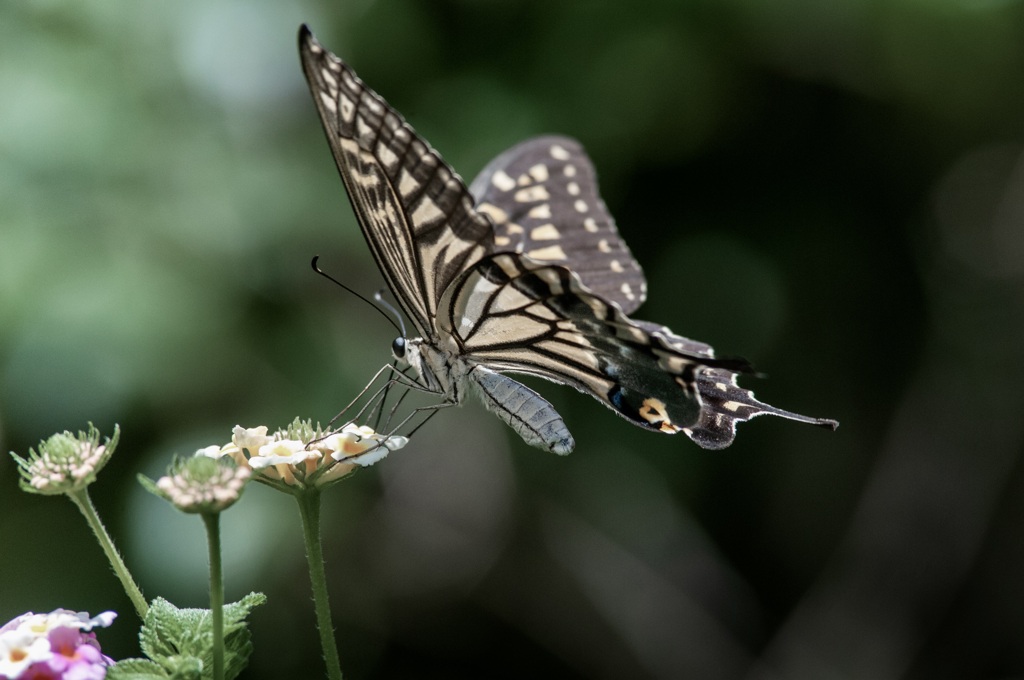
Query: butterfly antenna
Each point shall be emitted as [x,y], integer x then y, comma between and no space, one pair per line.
[379,298]
[321,272]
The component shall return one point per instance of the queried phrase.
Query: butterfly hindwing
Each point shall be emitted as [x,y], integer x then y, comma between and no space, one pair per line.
[543,197]
[414,210]
[511,313]
[723,402]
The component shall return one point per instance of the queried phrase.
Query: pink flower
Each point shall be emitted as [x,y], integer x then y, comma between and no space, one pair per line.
[54,646]
[76,655]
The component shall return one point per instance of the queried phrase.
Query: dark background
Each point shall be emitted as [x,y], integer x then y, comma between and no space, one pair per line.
[833,190]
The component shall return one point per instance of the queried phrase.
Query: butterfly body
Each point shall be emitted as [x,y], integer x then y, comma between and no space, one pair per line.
[446,374]
[523,272]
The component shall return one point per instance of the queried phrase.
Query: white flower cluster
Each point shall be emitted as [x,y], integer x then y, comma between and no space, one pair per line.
[312,457]
[48,470]
[65,462]
[203,485]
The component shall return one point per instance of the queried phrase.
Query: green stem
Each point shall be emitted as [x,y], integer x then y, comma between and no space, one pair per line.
[212,521]
[309,508]
[83,501]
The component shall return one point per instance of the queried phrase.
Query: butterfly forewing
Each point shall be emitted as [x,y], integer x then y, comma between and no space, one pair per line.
[414,210]
[542,195]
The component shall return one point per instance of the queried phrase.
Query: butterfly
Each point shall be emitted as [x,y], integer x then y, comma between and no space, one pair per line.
[522,272]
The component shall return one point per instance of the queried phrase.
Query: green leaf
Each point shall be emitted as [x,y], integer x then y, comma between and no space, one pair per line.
[137,669]
[179,642]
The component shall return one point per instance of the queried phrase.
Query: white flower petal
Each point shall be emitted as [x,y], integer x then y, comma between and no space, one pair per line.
[250,438]
[21,648]
[369,458]
[212,451]
[101,620]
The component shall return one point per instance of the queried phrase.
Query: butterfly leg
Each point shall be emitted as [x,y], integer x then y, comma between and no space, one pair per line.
[375,403]
[525,411]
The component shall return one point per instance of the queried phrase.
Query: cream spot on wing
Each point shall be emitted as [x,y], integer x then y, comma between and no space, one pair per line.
[547,253]
[426,212]
[674,364]
[363,130]
[502,240]
[627,291]
[632,334]
[551,278]
[654,412]
[545,232]
[616,266]
[329,78]
[603,246]
[531,194]
[580,205]
[508,265]
[347,109]
[687,387]
[732,406]
[540,212]
[502,181]
[559,152]
[514,228]
[367,179]
[407,183]
[372,104]
[570,171]
[539,172]
[494,212]
[590,224]
[523,180]
[599,307]
[386,155]
[573,189]
[328,102]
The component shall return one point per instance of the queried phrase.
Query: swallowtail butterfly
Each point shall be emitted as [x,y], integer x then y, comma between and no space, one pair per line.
[523,272]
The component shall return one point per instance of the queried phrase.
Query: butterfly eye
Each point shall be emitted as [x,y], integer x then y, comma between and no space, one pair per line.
[398,348]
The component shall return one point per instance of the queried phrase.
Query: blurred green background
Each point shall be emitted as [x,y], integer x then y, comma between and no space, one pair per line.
[833,190]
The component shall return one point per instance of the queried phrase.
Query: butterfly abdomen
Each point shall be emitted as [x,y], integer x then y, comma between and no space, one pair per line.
[525,411]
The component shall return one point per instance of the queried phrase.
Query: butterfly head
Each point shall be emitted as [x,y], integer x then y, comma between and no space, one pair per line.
[409,353]
[398,349]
